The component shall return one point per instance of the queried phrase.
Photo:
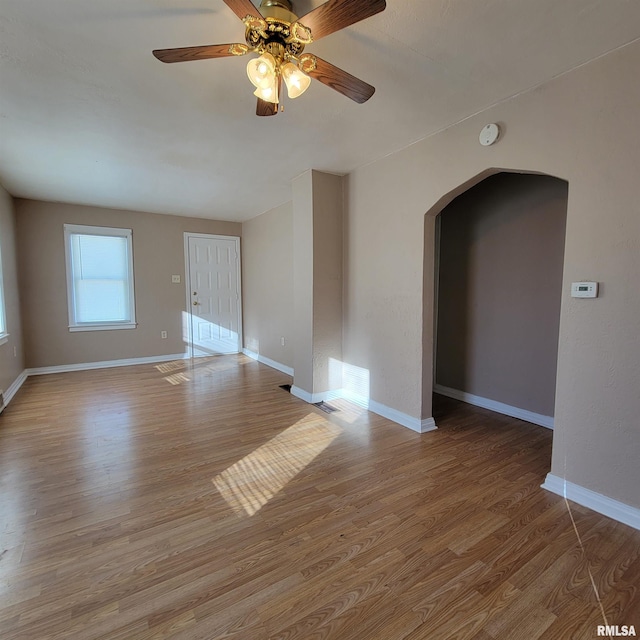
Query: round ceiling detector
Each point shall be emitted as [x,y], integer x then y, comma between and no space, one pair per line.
[489,134]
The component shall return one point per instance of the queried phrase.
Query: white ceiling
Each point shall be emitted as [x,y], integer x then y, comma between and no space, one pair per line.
[88,115]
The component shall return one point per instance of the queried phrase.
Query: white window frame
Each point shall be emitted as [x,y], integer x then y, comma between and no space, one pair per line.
[4,334]
[73,229]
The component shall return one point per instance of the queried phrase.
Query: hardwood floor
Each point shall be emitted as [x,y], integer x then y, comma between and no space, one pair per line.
[205,502]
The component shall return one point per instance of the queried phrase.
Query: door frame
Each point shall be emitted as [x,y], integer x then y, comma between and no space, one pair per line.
[187,272]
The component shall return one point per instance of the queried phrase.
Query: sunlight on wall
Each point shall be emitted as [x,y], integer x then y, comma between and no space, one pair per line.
[355,381]
[251,482]
[253,344]
[334,371]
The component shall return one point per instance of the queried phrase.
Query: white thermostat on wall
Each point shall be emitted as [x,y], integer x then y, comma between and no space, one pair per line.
[489,134]
[584,289]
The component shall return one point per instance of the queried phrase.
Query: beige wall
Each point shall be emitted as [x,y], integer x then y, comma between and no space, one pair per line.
[158,249]
[11,352]
[500,285]
[267,284]
[582,127]
[302,192]
[318,202]
[328,204]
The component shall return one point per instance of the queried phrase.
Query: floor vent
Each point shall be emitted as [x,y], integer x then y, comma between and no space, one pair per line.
[286,387]
[327,408]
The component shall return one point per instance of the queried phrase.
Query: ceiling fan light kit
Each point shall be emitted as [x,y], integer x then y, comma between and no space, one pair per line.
[262,70]
[296,80]
[279,37]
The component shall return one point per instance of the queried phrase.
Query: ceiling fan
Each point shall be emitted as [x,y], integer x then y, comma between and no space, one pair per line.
[280,37]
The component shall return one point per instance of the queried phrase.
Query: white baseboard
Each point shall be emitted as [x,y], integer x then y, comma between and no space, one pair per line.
[13,388]
[104,364]
[493,405]
[415,424]
[269,362]
[592,500]
[314,398]
[427,424]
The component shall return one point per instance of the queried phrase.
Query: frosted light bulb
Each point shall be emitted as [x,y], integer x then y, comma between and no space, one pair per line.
[262,70]
[297,82]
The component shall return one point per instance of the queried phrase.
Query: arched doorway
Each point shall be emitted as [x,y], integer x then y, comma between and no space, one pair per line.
[497,291]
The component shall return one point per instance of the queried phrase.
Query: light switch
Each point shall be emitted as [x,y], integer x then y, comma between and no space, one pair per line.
[175,279]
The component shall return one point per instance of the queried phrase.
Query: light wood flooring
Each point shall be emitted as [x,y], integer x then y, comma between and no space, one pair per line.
[204,502]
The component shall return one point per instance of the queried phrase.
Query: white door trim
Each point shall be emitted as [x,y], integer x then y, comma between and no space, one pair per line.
[187,277]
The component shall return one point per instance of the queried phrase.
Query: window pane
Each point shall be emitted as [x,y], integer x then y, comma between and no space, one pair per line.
[100,268]
[101,301]
[102,257]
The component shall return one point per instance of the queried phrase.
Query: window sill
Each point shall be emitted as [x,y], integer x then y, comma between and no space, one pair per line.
[4,337]
[102,327]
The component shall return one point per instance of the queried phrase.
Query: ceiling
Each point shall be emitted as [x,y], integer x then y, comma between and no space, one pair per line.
[89,116]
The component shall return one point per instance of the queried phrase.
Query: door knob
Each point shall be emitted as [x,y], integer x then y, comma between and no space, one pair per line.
[195,304]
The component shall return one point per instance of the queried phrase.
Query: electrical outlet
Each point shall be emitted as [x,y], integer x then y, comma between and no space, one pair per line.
[282,341]
[163,335]
[175,279]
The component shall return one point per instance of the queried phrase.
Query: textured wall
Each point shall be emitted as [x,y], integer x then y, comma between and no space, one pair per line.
[302,189]
[581,127]
[11,366]
[158,253]
[267,284]
[500,285]
[328,201]
[318,240]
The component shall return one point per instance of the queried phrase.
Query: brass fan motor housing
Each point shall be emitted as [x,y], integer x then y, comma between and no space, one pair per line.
[279,9]
[279,25]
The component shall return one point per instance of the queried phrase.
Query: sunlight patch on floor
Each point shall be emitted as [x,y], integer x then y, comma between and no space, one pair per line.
[251,482]
[177,378]
[173,365]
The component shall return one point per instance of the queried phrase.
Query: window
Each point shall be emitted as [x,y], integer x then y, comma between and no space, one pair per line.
[3,322]
[99,278]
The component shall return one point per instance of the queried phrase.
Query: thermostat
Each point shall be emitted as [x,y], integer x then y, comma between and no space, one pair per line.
[584,289]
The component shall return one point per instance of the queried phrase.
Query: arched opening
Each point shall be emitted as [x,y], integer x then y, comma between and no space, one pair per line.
[499,253]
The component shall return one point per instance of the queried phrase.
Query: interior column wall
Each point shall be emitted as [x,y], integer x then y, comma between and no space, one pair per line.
[317,266]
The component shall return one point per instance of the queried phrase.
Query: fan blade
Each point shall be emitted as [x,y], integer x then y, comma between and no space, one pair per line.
[336,78]
[185,54]
[338,14]
[243,8]
[265,108]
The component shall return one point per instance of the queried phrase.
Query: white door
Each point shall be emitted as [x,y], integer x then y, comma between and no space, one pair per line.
[213,276]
